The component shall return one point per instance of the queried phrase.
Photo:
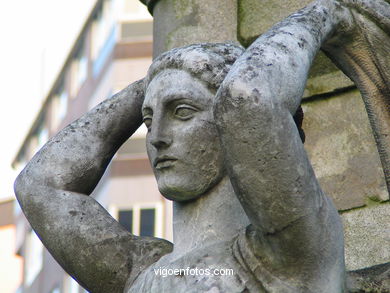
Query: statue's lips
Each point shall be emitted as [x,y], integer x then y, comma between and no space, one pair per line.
[164,162]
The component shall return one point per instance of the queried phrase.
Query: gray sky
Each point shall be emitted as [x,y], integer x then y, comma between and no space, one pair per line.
[35,38]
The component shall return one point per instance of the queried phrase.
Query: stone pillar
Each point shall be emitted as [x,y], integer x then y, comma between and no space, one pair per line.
[339,140]
[183,22]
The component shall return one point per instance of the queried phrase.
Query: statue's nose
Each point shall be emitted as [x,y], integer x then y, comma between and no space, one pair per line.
[160,138]
[159,142]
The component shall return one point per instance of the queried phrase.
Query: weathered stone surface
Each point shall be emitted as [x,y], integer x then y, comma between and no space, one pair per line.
[326,83]
[342,150]
[256,17]
[183,22]
[368,280]
[367,236]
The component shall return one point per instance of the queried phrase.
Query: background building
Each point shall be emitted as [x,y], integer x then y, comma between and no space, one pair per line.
[113,49]
[10,264]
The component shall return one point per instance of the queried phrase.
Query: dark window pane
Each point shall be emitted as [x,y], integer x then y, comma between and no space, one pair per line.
[126,220]
[147,222]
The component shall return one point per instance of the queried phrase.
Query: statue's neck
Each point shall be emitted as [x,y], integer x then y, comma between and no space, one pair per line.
[215,216]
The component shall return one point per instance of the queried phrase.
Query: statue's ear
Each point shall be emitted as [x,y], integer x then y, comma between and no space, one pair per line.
[361,50]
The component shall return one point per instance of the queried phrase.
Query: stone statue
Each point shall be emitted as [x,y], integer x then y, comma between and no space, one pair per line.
[224,146]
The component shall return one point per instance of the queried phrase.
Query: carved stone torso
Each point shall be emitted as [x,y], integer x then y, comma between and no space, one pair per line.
[250,274]
[202,258]
[228,255]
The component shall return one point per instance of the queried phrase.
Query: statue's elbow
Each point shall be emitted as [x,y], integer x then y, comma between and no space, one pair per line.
[26,185]
[237,100]
[20,187]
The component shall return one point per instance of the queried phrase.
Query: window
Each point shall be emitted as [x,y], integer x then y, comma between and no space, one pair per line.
[103,35]
[147,222]
[143,220]
[70,285]
[42,135]
[59,108]
[33,257]
[125,218]
[38,139]
[79,70]
[63,104]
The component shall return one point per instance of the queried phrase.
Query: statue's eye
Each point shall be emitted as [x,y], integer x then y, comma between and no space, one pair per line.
[185,112]
[148,121]
[147,114]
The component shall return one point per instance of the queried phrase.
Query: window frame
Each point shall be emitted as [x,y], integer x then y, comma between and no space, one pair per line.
[136,208]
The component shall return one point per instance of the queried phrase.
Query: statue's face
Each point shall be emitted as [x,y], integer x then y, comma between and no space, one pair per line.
[182,140]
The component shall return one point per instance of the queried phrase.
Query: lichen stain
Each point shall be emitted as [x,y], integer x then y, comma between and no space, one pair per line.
[183,8]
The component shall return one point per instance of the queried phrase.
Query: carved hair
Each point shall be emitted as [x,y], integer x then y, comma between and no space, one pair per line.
[208,62]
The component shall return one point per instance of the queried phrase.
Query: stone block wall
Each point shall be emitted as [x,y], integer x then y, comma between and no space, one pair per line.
[342,150]
[183,22]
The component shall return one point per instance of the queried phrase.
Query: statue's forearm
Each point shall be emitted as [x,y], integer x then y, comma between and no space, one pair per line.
[52,191]
[75,158]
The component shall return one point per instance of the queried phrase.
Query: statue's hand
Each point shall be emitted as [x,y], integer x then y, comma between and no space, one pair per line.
[362,15]
[360,43]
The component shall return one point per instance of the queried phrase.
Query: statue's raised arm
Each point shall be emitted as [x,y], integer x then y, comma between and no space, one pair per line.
[265,86]
[53,192]
[254,111]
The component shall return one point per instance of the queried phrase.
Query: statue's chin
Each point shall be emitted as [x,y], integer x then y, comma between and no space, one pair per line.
[186,191]
[180,194]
